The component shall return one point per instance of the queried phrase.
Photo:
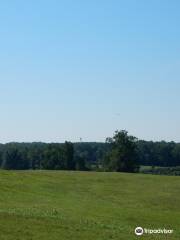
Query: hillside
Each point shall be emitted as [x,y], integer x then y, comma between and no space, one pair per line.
[84,206]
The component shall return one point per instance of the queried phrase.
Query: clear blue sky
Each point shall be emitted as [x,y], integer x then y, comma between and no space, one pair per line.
[71,69]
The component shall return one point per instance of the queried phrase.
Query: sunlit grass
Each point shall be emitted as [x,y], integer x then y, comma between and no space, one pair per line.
[76,205]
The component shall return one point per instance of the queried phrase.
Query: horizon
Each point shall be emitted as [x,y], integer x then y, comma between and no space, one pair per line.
[71,70]
[83,142]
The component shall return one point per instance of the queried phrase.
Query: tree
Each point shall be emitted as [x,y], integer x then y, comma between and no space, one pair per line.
[53,158]
[69,156]
[80,164]
[14,159]
[122,156]
[176,154]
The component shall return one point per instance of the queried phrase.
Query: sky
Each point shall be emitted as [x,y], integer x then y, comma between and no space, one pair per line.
[83,69]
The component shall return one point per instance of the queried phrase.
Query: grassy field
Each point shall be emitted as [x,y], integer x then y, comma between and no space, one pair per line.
[83,206]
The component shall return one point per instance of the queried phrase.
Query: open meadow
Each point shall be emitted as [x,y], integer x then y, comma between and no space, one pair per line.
[60,205]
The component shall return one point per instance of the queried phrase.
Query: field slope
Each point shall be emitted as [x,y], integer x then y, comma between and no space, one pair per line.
[51,205]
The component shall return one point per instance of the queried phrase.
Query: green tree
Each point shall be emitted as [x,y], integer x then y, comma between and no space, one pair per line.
[14,159]
[69,161]
[122,156]
[53,157]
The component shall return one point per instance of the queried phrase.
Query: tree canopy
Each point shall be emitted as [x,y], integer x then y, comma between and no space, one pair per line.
[122,152]
[122,156]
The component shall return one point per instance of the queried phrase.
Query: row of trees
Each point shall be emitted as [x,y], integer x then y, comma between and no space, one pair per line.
[162,154]
[40,156]
[122,152]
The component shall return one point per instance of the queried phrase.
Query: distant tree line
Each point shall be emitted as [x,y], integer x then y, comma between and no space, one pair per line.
[120,153]
[54,156]
[162,154]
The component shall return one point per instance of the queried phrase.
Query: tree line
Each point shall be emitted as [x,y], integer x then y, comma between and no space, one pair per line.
[54,156]
[122,152]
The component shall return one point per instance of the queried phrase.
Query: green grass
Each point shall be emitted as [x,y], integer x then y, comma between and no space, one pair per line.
[82,206]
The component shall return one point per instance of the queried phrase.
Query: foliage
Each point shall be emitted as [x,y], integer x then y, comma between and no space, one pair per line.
[14,159]
[122,156]
[88,156]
